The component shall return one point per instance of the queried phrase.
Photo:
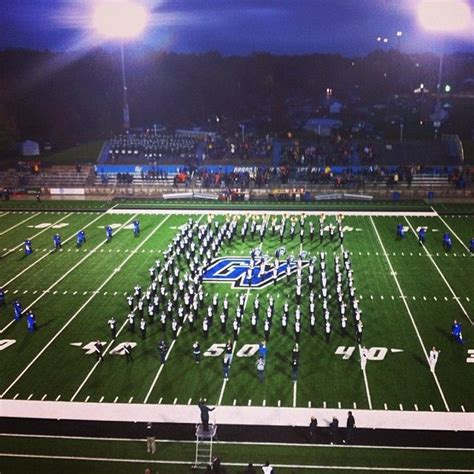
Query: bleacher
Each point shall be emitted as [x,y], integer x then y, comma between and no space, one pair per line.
[59,177]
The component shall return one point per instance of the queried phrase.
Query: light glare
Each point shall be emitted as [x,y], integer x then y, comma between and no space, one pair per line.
[444,15]
[119,19]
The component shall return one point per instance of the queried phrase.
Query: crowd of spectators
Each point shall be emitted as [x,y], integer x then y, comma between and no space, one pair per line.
[237,147]
[322,152]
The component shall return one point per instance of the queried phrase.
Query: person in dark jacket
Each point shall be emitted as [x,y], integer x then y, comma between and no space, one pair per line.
[205,413]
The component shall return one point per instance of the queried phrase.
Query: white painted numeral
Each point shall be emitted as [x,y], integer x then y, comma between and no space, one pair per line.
[248,350]
[215,350]
[421,227]
[377,353]
[120,349]
[345,352]
[60,225]
[90,347]
[4,343]
[470,357]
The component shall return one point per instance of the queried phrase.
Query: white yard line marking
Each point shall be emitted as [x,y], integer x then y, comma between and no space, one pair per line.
[364,373]
[109,345]
[392,272]
[451,230]
[444,278]
[63,277]
[238,443]
[36,235]
[295,388]
[73,317]
[20,223]
[224,383]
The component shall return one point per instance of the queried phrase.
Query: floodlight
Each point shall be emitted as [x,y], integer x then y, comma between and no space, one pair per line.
[121,19]
[444,15]
[399,34]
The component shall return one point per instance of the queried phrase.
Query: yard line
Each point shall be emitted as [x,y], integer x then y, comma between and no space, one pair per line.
[143,242]
[452,231]
[295,388]
[50,252]
[20,223]
[73,317]
[364,374]
[3,214]
[157,376]
[38,233]
[224,383]
[443,277]
[404,299]
[45,292]
[366,382]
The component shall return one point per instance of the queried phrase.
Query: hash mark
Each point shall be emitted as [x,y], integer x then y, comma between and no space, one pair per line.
[462,408]
[160,400]
[87,398]
[338,404]
[234,402]
[116,399]
[324,404]
[16,396]
[385,406]
[101,399]
[189,401]
[309,404]
[30,397]
[416,407]
[58,397]
[130,400]
[264,403]
[431,408]
[44,397]
[175,401]
[401,406]
[279,403]
[354,405]
[249,403]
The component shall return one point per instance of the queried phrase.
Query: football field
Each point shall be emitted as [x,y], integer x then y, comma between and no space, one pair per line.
[409,295]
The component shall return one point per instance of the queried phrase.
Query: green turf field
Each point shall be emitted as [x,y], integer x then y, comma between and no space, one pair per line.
[76,455]
[409,296]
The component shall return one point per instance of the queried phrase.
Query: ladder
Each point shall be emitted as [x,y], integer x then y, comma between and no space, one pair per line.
[204,441]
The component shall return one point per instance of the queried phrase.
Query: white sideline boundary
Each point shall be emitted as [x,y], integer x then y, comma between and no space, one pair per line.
[456,298]
[252,212]
[234,415]
[404,299]
[238,443]
[233,464]
[71,319]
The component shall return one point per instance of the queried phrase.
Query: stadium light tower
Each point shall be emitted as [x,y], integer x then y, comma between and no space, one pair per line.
[443,17]
[120,20]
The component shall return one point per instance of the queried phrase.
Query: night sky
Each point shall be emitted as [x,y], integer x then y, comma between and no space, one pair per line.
[349,27]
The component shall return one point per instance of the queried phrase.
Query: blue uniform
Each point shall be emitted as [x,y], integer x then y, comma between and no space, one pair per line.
[57,241]
[136,228]
[400,231]
[81,238]
[422,235]
[2,297]
[17,310]
[447,242]
[456,332]
[28,247]
[31,322]
[471,245]
[108,233]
